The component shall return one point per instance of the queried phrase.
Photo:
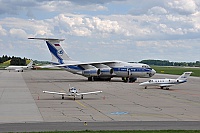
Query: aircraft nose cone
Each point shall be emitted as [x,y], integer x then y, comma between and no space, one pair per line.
[152,73]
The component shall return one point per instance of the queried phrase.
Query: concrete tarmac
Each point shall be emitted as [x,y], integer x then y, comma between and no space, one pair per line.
[16,101]
[96,126]
[22,100]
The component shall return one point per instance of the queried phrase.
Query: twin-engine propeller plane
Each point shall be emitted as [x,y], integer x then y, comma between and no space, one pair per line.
[166,83]
[72,92]
[94,71]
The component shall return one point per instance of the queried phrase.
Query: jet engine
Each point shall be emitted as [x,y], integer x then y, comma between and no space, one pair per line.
[106,71]
[91,72]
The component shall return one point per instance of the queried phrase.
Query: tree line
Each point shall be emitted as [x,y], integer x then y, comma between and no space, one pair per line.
[20,61]
[168,63]
[13,60]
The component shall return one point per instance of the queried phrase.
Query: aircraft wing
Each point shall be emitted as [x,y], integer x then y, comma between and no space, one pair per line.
[53,92]
[45,66]
[86,63]
[86,93]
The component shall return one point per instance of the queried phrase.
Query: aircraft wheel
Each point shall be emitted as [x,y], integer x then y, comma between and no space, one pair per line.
[81,96]
[63,97]
[108,79]
[74,98]
[145,87]
[167,88]
[125,79]
[89,78]
[131,80]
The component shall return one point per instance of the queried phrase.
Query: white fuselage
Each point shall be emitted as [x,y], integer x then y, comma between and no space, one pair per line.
[162,82]
[120,69]
[17,68]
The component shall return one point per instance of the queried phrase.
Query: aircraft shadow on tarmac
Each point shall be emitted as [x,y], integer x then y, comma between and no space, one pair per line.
[158,88]
[69,80]
[56,80]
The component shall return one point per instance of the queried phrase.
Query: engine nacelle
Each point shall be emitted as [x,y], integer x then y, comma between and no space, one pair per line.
[106,71]
[91,72]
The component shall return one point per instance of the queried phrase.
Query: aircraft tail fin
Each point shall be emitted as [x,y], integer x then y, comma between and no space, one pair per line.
[184,76]
[30,64]
[56,50]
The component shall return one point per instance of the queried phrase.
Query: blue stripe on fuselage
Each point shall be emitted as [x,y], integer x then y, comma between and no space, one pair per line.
[105,71]
[123,69]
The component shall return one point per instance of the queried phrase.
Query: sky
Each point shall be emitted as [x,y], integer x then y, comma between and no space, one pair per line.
[102,30]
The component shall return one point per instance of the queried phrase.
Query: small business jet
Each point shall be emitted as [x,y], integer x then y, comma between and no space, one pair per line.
[20,68]
[72,92]
[96,71]
[166,83]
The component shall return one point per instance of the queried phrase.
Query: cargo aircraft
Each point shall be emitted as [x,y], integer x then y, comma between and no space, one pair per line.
[72,92]
[94,71]
[20,68]
[166,83]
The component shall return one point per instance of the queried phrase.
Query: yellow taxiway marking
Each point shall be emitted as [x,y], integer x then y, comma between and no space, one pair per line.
[81,104]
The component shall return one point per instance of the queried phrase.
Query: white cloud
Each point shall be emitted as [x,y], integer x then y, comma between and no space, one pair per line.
[3,32]
[55,5]
[160,26]
[183,6]
[86,26]
[18,33]
[196,20]
[157,10]
[81,31]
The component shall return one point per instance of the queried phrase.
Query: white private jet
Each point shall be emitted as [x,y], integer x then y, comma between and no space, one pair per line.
[166,83]
[72,92]
[95,71]
[20,68]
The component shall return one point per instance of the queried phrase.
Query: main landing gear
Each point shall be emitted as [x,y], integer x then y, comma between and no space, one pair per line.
[95,78]
[129,80]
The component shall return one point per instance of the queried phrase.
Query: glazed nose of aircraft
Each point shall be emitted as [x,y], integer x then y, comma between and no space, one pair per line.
[152,72]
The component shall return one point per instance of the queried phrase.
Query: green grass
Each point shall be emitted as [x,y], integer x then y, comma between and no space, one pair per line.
[130,131]
[6,63]
[177,70]
[28,61]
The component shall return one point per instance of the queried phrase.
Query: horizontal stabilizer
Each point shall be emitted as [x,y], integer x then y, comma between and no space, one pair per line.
[47,39]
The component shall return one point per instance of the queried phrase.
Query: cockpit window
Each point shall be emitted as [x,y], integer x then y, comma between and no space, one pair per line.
[146,66]
[73,88]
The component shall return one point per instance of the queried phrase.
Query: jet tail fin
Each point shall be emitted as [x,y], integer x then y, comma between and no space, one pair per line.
[184,76]
[30,64]
[56,50]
